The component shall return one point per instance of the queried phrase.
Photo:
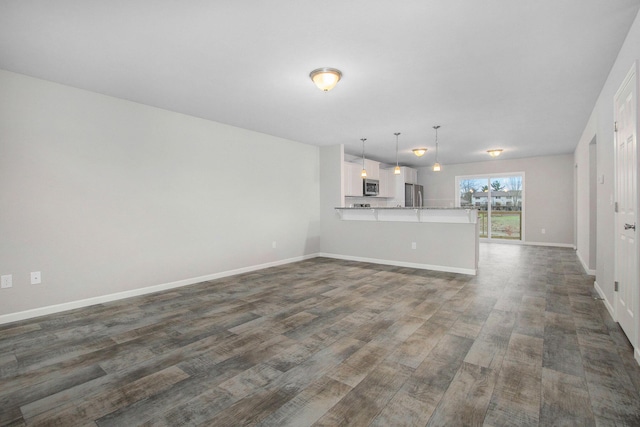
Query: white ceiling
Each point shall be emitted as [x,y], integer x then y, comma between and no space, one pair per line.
[514,74]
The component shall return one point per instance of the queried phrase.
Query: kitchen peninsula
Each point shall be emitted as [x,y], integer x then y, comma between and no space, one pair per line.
[443,239]
[449,215]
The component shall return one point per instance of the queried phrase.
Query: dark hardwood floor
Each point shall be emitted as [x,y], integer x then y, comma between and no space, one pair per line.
[326,342]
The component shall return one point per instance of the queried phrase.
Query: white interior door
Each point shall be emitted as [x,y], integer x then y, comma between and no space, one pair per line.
[626,299]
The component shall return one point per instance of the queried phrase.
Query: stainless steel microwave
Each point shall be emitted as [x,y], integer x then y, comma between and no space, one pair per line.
[370,187]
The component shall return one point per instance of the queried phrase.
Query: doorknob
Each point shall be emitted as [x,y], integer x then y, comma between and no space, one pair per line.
[630,226]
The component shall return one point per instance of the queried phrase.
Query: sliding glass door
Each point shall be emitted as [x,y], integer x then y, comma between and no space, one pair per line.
[499,199]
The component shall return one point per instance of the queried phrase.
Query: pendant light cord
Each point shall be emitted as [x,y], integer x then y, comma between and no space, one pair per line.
[363,174]
[396,134]
[436,128]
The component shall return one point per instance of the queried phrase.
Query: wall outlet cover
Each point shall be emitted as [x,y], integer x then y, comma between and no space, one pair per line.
[6,281]
[36,278]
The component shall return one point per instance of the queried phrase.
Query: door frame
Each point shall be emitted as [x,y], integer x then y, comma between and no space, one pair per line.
[488,176]
[629,77]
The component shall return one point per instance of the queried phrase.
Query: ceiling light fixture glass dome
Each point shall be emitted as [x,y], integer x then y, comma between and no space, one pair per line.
[325,78]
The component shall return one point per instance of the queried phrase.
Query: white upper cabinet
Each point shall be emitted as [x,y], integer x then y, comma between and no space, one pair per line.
[373,169]
[410,175]
[352,179]
[387,183]
[407,176]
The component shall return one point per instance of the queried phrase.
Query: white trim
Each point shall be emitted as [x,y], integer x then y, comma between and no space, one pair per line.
[488,177]
[632,77]
[584,265]
[636,355]
[403,264]
[553,245]
[520,242]
[52,309]
[607,304]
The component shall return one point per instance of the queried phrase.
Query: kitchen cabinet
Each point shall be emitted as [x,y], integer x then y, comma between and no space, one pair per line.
[410,175]
[372,167]
[352,179]
[387,183]
[407,176]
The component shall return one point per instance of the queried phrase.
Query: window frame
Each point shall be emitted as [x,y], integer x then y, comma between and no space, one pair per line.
[488,177]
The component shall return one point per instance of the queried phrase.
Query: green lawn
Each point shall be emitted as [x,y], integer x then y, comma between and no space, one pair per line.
[504,225]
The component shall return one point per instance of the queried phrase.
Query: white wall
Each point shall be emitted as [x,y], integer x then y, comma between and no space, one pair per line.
[548,192]
[105,196]
[600,125]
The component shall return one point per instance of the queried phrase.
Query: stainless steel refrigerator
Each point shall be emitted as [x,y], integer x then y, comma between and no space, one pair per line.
[413,196]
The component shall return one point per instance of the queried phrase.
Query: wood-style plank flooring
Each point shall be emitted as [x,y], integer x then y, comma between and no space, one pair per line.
[326,342]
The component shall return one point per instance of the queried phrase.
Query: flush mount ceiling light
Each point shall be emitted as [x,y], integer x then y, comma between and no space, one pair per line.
[436,165]
[396,170]
[419,151]
[495,152]
[326,78]
[364,171]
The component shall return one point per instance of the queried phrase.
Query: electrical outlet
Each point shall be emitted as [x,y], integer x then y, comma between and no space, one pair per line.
[273,244]
[413,245]
[36,278]
[6,281]
[543,231]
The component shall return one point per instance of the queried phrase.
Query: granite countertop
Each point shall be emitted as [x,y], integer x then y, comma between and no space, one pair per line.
[401,207]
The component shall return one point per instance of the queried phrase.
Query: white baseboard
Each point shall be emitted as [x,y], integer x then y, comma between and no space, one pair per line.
[585,266]
[636,351]
[52,309]
[553,245]
[403,264]
[520,242]
[607,303]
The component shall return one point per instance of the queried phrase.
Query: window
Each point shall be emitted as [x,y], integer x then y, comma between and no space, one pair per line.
[500,200]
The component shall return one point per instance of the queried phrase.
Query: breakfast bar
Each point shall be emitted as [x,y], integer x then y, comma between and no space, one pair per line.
[442,239]
[447,215]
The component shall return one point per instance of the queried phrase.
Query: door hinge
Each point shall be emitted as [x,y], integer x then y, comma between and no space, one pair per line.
[615,126]
[615,286]
[615,207]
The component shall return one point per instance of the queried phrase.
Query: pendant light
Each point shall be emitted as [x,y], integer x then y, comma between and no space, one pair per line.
[436,165]
[364,171]
[396,171]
